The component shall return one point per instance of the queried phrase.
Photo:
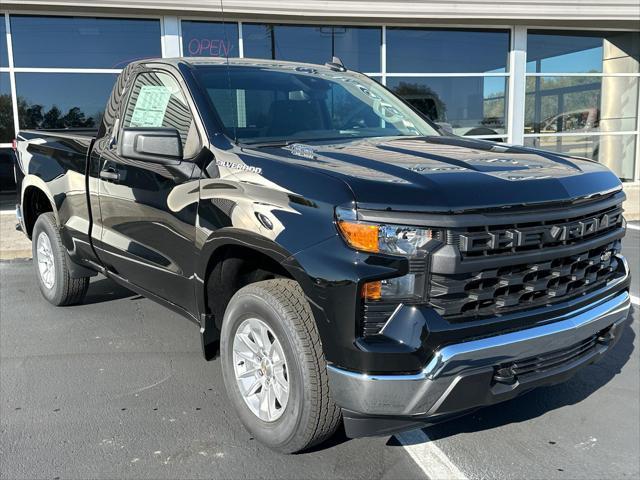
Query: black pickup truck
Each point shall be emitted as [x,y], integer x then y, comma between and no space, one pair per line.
[347,259]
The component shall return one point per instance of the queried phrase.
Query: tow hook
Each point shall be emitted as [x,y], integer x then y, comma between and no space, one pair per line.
[505,375]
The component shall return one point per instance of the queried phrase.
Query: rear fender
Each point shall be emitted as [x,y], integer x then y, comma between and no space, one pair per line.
[32,181]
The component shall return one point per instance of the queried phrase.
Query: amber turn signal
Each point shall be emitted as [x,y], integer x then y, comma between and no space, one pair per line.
[360,236]
[372,291]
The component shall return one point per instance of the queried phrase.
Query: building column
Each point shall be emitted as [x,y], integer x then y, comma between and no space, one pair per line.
[12,75]
[170,36]
[517,85]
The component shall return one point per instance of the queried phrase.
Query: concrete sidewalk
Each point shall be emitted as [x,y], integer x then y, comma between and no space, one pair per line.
[13,243]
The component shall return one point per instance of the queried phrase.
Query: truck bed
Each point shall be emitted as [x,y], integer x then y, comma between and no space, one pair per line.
[55,162]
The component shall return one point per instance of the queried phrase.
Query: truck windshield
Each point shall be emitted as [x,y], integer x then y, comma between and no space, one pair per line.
[265,105]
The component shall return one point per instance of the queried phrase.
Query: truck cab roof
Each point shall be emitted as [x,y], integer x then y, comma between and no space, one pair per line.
[235,62]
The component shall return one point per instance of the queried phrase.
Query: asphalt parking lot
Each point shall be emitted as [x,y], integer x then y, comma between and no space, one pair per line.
[117,388]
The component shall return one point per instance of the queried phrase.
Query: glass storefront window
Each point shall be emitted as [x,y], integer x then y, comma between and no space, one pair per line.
[447,50]
[581,104]
[209,39]
[615,151]
[4,55]
[569,114]
[258,40]
[62,100]
[83,42]
[582,52]
[357,47]
[582,87]
[471,105]
[7,132]
[287,42]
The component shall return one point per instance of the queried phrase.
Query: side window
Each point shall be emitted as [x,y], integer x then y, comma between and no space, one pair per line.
[157,101]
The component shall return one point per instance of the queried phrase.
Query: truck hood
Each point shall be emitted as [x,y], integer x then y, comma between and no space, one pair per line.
[449,174]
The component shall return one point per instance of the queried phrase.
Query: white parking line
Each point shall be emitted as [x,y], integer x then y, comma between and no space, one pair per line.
[433,461]
[8,212]
[635,300]
[633,226]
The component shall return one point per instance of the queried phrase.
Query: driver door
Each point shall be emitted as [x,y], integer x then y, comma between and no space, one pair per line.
[147,238]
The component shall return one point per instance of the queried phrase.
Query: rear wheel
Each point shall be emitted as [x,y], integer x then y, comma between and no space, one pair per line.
[51,264]
[274,369]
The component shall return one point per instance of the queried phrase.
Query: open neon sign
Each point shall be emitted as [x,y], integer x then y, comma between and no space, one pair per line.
[211,47]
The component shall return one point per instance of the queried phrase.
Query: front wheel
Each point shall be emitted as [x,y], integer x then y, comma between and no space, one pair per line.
[51,264]
[274,369]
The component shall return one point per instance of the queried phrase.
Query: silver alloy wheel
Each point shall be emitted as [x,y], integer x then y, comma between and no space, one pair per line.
[261,369]
[46,263]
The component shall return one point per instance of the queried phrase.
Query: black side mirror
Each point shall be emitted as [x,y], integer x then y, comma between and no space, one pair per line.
[159,145]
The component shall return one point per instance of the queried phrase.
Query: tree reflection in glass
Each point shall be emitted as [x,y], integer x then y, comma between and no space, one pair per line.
[7,132]
[36,116]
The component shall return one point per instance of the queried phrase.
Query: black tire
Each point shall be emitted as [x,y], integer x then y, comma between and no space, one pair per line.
[310,415]
[65,289]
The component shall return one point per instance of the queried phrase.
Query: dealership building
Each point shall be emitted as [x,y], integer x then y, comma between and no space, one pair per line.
[561,75]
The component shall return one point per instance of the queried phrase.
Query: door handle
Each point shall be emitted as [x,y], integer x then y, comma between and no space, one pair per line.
[110,174]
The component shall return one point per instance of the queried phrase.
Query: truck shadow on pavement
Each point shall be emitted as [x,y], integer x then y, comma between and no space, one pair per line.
[105,290]
[544,399]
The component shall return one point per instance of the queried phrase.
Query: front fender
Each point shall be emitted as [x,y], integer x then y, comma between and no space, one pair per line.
[331,275]
[231,236]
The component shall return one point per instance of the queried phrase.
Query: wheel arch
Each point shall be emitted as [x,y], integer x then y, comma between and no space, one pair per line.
[230,259]
[36,199]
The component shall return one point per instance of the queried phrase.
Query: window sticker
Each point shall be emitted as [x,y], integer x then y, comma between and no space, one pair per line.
[151,106]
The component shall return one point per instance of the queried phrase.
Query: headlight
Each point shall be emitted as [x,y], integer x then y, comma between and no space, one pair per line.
[407,241]
[393,239]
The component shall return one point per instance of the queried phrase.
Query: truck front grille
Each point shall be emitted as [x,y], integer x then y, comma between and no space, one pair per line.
[522,286]
[511,239]
[497,263]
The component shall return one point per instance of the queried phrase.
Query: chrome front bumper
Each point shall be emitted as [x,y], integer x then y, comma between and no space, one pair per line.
[463,376]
